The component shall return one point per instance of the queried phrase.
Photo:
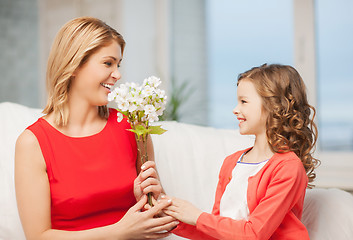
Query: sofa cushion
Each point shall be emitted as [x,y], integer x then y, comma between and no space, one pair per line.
[328,214]
[14,119]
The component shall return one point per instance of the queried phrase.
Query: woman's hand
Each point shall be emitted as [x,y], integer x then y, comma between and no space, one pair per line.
[147,181]
[144,225]
[183,211]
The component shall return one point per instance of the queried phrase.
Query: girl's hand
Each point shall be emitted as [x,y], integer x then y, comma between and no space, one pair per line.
[183,211]
[147,181]
[138,224]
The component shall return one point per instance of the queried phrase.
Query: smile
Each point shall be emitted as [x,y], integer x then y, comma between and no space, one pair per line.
[241,120]
[108,86]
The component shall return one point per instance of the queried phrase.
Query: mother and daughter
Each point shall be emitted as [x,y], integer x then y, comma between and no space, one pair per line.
[77,177]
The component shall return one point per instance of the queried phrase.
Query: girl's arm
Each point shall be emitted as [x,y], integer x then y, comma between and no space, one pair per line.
[188,214]
[287,186]
[33,200]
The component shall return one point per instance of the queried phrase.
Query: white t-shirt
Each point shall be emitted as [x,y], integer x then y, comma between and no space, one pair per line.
[234,202]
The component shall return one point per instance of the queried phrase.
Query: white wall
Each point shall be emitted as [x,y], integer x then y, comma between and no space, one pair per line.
[19,67]
[165,38]
[336,169]
[189,56]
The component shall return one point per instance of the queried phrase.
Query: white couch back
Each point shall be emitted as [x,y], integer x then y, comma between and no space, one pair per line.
[188,160]
[14,118]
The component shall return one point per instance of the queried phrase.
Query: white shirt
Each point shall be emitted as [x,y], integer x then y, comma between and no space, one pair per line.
[234,202]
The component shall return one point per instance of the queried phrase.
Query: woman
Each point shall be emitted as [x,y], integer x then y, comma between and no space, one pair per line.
[75,168]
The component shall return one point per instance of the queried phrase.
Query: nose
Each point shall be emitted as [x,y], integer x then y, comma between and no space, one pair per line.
[236,111]
[116,74]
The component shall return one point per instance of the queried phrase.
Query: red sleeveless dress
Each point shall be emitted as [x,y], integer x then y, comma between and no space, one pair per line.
[91,178]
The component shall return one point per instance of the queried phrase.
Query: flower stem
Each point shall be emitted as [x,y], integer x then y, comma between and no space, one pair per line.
[144,158]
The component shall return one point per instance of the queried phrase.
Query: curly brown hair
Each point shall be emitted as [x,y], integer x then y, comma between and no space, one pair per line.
[289,125]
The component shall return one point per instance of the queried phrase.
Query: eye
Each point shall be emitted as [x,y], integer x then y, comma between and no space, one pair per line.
[108,63]
[119,65]
[243,101]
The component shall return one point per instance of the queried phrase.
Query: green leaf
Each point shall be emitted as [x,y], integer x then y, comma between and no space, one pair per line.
[156,130]
[140,130]
[125,113]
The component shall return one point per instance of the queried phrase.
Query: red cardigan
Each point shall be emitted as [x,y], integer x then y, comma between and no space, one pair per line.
[275,199]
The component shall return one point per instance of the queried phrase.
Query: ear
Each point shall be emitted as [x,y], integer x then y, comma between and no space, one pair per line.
[75,72]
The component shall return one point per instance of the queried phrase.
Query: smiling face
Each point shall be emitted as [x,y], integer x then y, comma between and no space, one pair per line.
[93,81]
[249,111]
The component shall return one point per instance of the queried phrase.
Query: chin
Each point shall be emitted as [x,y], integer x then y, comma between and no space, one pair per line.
[103,102]
[243,132]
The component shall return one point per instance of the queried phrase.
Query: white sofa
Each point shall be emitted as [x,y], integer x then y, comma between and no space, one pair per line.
[188,159]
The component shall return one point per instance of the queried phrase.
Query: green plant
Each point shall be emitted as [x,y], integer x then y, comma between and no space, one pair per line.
[178,95]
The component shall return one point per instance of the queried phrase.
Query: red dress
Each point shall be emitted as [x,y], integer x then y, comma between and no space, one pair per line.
[91,178]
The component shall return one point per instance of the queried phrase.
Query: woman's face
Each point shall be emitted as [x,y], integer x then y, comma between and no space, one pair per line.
[249,111]
[93,81]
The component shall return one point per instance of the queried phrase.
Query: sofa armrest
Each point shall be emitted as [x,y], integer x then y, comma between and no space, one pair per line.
[328,214]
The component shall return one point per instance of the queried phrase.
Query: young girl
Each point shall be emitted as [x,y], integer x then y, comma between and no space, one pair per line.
[261,190]
[76,167]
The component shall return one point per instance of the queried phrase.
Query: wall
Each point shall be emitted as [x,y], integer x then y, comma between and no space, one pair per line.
[19,61]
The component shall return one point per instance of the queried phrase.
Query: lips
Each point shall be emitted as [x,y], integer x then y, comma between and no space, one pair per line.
[107,86]
[241,120]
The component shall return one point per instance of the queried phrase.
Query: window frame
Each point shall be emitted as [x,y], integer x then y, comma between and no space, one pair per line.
[336,168]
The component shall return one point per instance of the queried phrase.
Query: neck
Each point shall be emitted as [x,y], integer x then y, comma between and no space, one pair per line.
[261,150]
[83,119]
[262,147]
[81,113]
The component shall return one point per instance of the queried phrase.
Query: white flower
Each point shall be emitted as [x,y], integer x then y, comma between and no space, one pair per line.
[160,94]
[144,103]
[120,116]
[111,96]
[160,111]
[133,85]
[153,81]
[131,97]
[139,100]
[149,109]
[147,91]
[118,99]
[132,108]
[153,117]
[123,105]
[121,92]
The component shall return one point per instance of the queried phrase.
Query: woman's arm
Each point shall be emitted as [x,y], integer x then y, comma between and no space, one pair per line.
[33,200]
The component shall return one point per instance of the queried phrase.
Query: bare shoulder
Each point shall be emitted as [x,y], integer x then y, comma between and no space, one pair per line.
[28,148]
[27,140]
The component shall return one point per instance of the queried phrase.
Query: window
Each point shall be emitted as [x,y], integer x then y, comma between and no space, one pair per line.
[241,35]
[334,24]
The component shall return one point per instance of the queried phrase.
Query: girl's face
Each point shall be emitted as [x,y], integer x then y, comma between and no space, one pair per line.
[93,81]
[249,111]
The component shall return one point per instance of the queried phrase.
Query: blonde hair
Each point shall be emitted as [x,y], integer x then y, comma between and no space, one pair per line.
[289,126]
[75,42]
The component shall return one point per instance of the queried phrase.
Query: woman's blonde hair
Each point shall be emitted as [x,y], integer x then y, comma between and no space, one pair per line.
[289,125]
[76,41]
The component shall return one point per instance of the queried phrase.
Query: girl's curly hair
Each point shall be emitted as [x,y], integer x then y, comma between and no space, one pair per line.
[289,126]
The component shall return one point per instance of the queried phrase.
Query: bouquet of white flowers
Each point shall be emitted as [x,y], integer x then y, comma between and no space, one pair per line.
[141,105]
